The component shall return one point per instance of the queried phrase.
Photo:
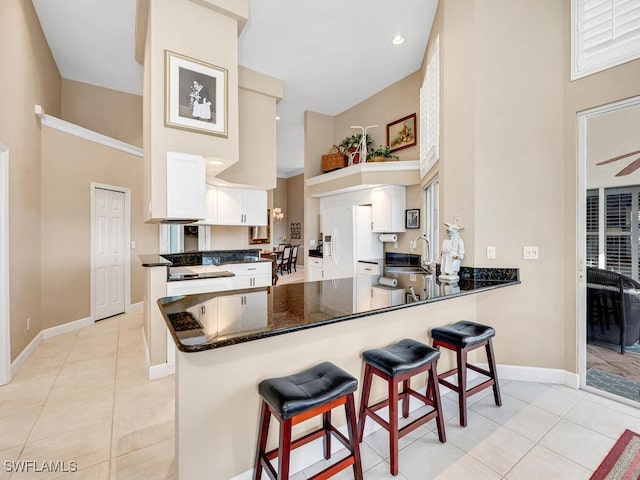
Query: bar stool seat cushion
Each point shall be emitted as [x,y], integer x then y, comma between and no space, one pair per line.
[302,391]
[405,355]
[463,334]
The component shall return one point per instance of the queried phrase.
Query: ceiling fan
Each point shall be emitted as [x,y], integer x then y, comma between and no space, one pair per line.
[632,167]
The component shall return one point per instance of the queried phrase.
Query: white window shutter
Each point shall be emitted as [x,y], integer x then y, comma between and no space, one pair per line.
[607,33]
[430,112]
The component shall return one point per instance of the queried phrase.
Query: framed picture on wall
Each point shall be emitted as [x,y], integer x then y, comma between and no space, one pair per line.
[402,133]
[195,95]
[412,219]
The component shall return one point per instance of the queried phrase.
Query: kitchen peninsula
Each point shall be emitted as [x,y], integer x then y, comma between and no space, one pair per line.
[223,352]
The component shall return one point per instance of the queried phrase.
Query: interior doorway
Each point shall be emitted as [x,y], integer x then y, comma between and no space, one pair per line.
[110,259]
[609,219]
[5,342]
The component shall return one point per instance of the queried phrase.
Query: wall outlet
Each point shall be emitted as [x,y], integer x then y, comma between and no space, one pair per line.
[530,253]
[28,324]
[133,244]
[312,243]
[491,252]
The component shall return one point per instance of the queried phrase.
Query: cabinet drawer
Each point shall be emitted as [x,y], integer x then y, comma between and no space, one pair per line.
[315,262]
[255,268]
[368,268]
[204,285]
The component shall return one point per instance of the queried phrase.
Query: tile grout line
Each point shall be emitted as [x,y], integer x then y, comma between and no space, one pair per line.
[113,405]
[62,364]
[537,442]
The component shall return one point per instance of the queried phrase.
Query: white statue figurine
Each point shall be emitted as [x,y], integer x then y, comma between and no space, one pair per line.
[452,253]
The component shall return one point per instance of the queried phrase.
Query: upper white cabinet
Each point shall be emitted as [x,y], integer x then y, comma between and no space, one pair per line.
[240,206]
[211,206]
[388,205]
[186,180]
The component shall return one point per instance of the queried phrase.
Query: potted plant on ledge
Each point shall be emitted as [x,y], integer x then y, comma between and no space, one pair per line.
[349,147]
[381,154]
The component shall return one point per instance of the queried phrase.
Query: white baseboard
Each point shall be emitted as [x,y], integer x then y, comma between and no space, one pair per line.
[156,371]
[16,365]
[134,307]
[43,335]
[66,327]
[536,374]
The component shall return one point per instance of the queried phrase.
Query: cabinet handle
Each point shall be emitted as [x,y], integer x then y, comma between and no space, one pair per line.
[254,268]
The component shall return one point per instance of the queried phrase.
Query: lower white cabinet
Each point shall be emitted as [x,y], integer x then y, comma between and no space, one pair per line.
[248,275]
[314,269]
[202,285]
[382,296]
[240,313]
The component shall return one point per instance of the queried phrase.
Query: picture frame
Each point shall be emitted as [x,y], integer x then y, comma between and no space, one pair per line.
[402,133]
[412,218]
[195,95]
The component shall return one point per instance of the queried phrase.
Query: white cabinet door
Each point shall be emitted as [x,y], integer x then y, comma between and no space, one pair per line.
[382,296]
[255,207]
[238,206]
[314,269]
[211,206]
[186,180]
[249,275]
[239,313]
[388,208]
[230,206]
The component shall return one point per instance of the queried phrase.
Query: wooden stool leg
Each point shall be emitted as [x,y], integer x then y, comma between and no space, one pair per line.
[405,397]
[432,384]
[263,430]
[352,430]
[393,426]
[461,355]
[284,449]
[492,369]
[364,399]
[326,425]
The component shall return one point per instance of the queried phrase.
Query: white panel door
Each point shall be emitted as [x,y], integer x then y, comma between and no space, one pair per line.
[109,253]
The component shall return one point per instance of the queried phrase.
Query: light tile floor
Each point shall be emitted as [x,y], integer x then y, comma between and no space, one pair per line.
[84,396]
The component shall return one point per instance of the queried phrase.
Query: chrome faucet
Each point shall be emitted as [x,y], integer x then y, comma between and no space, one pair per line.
[426,260]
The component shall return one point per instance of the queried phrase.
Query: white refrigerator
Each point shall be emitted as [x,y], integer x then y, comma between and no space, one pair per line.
[347,238]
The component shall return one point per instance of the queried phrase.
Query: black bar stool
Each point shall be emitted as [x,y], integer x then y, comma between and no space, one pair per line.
[462,337]
[299,397]
[398,363]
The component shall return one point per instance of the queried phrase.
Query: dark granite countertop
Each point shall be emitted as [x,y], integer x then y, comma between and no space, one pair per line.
[196,259]
[300,306]
[315,253]
[154,260]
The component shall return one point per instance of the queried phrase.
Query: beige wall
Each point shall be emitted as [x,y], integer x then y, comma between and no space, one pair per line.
[394,102]
[29,76]
[202,33]
[610,135]
[280,195]
[110,112]
[602,88]
[295,211]
[66,225]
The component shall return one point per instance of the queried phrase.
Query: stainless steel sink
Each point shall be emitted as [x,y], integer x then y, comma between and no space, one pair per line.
[406,269]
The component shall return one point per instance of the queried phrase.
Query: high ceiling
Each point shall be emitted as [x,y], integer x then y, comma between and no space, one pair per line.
[331,54]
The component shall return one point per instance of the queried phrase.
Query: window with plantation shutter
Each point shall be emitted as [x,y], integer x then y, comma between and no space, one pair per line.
[621,230]
[593,221]
[430,112]
[606,33]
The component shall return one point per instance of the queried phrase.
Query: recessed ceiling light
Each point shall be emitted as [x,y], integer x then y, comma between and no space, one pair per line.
[398,40]
[215,162]
[277,117]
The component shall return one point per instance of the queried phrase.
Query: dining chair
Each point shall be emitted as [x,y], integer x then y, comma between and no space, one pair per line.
[284,259]
[294,258]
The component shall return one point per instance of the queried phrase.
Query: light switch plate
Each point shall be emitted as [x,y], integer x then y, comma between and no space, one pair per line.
[491,252]
[530,253]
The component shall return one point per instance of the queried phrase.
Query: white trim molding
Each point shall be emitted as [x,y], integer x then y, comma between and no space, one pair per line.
[580,246]
[45,334]
[90,135]
[134,307]
[367,167]
[126,243]
[5,314]
[156,371]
